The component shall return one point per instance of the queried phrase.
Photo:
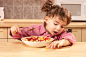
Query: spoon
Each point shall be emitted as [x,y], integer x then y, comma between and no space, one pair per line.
[31,29]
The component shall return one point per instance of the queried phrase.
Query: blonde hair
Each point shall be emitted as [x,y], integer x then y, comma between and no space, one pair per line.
[56,10]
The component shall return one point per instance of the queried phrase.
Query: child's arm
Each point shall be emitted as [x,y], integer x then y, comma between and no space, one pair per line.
[18,33]
[60,43]
[63,42]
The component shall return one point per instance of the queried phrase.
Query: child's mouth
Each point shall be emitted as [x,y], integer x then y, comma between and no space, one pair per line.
[55,33]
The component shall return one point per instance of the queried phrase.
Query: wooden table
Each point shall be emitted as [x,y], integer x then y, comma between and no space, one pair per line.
[19,49]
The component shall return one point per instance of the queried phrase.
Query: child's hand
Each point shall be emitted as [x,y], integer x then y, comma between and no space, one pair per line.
[56,44]
[59,44]
[15,29]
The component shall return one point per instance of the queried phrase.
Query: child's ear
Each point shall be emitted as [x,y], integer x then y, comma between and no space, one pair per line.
[46,19]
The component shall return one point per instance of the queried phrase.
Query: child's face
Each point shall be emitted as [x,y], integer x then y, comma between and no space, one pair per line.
[54,25]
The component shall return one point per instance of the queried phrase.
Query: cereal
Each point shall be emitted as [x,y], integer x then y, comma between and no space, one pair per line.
[37,38]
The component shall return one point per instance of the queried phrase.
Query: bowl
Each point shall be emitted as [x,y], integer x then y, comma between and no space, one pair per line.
[37,41]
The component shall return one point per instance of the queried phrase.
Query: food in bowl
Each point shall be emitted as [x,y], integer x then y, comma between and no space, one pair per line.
[37,38]
[37,41]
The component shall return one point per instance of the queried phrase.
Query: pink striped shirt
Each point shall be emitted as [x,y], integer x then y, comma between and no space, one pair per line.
[40,31]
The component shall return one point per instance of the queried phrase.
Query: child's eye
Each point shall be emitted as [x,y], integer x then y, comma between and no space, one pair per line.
[55,24]
[62,27]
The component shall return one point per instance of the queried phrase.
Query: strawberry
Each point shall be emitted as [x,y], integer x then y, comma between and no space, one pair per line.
[47,39]
[28,39]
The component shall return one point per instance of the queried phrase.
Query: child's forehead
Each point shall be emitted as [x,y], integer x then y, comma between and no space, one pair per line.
[57,17]
[59,20]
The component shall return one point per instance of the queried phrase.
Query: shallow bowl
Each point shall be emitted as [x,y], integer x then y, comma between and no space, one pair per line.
[37,43]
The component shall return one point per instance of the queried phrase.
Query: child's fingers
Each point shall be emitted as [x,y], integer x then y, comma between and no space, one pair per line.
[17,28]
[53,45]
[60,44]
[50,46]
[56,44]
[14,30]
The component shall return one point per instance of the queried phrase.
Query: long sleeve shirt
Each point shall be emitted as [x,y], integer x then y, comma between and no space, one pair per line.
[40,31]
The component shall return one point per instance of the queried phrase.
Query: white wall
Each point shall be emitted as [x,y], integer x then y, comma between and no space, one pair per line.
[73,1]
[57,1]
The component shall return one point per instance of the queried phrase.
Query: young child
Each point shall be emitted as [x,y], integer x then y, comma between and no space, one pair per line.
[57,17]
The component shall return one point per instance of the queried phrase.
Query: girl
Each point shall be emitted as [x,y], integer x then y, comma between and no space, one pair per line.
[57,17]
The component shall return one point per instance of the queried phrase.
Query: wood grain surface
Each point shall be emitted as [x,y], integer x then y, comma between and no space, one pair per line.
[19,49]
